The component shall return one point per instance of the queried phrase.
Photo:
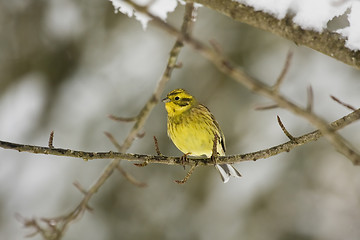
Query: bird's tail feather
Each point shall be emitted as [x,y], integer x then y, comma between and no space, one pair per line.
[226,171]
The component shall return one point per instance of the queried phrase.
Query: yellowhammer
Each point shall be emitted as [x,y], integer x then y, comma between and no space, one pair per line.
[192,128]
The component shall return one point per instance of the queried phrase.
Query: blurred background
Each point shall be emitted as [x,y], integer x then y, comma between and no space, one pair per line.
[65,65]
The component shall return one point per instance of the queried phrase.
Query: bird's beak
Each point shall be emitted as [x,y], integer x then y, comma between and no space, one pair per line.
[166,100]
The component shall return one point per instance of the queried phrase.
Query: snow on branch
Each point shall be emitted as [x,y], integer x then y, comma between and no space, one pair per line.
[227,67]
[342,44]
[159,8]
[304,22]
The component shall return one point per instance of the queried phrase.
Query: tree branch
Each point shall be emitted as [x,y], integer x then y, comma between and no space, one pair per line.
[227,67]
[326,42]
[266,153]
[57,226]
[285,69]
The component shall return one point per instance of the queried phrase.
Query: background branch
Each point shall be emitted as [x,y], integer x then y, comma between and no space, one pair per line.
[326,42]
[58,225]
[227,67]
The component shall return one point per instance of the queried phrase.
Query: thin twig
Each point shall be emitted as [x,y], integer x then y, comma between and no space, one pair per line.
[310,99]
[342,103]
[284,71]
[113,140]
[123,119]
[216,46]
[286,132]
[51,140]
[125,174]
[157,149]
[266,107]
[184,180]
[80,188]
[130,178]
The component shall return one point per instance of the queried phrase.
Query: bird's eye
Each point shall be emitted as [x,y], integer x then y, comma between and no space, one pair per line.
[177,98]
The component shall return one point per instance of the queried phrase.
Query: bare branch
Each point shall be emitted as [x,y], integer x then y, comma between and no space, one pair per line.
[80,188]
[283,72]
[266,107]
[310,99]
[61,223]
[342,103]
[284,129]
[131,178]
[56,226]
[227,67]
[216,46]
[113,141]
[51,140]
[126,175]
[184,180]
[157,149]
[122,119]
[266,153]
[326,42]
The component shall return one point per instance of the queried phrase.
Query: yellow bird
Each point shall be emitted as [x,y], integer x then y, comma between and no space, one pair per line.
[192,128]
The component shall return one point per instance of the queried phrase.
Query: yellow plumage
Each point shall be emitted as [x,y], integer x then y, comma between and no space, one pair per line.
[192,128]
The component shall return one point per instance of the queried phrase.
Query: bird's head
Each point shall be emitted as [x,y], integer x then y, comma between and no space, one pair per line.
[178,101]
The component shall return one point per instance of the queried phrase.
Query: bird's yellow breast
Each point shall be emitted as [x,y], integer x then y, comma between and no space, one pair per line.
[194,132]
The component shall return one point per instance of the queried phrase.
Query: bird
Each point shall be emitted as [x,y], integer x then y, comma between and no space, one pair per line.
[193,128]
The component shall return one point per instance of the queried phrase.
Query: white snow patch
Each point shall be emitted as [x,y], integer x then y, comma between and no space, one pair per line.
[277,8]
[159,8]
[352,32]
[308,14]
[315,15]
